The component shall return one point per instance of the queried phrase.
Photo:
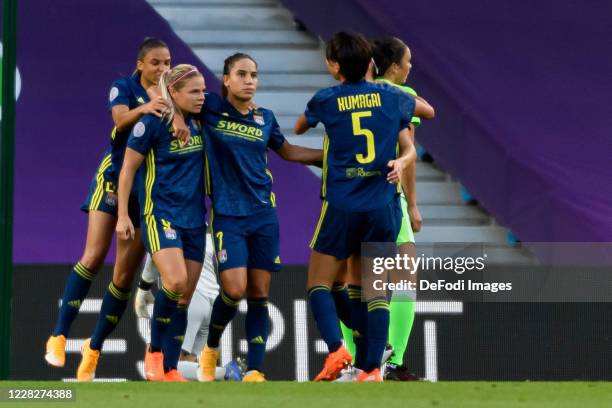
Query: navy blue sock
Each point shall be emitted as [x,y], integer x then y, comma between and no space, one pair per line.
[166,302]
[378,332]
[359,316]
[257,328]
[324,313]
[77,286]
[224,310]
[361,349]
[341,300]
[174,340]
[113,305]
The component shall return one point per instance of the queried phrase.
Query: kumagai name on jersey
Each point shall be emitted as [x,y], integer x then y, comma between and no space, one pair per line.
[171,180]
[129,92]
[362,122]
[238,179]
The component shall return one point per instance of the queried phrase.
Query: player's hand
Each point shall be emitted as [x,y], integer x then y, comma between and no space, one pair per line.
[143,299]
[124,228]
[156,106]
[180,129]
[394,174]
[416,221]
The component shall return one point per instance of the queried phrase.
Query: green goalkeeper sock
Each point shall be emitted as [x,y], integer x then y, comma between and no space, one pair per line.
[347,334]
[400,326]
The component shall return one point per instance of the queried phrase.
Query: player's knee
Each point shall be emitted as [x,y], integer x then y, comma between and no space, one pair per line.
[176,284]
[122,281]
[258,292]
[92,260]
[235,292]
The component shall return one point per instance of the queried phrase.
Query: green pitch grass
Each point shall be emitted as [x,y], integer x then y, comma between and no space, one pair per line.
[297,395]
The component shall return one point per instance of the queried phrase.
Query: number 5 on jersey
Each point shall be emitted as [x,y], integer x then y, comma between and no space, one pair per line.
[359,131]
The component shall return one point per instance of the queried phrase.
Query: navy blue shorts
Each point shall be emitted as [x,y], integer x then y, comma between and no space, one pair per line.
[102,196]
[160,234]
[340,232]
[248,241]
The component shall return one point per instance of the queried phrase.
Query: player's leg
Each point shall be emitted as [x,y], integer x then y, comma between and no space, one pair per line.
[100,230]
[198,319]
[383,227]
[359,311]
[193,251]
[171,266]
[263,243]
[230,251]
[129,255]
[233,288]
[329,251]
[402,306]
[257,322]
[340,294]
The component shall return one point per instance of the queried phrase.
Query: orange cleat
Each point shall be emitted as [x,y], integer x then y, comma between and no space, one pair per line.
[208,364]
[56,351]
[372,376]
[254,376]
[174,376]
[89,361]
[154,366]
[334,363]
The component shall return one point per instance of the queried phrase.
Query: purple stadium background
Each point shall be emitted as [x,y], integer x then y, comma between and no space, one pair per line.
[63,124]
[522,92]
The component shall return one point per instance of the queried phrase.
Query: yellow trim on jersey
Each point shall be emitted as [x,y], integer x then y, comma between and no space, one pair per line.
[152,233]
[149,181]
[321,217]
[208,180]
[269,173]
[114,133]
[324,174]
[211,218]
[99,192]
[397,155]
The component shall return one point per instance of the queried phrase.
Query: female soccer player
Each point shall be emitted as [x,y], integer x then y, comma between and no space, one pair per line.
[361,203]
[171,197]
[128,101]
[393,63]
[243,223]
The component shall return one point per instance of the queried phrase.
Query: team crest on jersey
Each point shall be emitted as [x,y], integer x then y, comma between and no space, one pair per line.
[259,119]
[111,199]
[114,92]
[140,99]
[222,256]
[139,129]
[170,233]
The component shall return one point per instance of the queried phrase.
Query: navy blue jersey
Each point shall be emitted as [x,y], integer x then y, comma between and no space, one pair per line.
[362,122]
[172,176]
[129,92]
[238,179]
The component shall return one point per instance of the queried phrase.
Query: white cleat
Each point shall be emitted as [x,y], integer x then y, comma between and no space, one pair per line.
[349,374]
